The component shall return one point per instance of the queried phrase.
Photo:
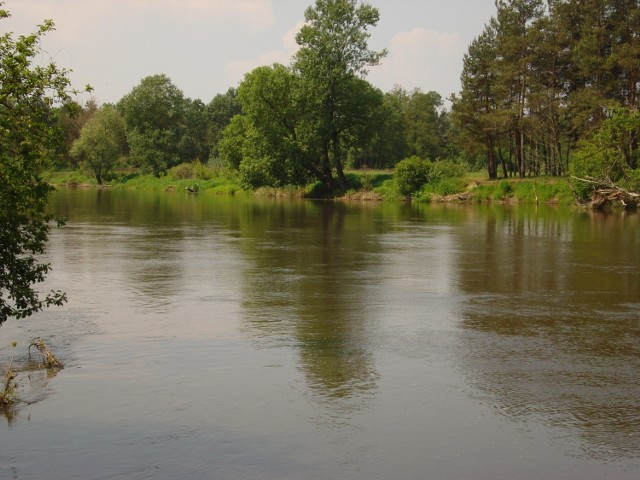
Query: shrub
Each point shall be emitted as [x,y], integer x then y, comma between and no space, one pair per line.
[184,171]
[258,172]
[201,171]
[411,174]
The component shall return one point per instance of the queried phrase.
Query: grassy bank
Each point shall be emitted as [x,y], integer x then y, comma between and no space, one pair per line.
[472,188]
[525,191]
[214,184]
[364,185]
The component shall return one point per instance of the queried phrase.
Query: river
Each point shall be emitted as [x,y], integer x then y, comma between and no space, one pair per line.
[240,338]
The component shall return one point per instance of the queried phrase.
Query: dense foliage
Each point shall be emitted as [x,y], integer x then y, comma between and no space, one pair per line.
[543,86]
[541,79]
[299,122]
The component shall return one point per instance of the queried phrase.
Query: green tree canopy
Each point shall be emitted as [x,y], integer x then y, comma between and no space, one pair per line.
[155,112]
[222,108]
[269,136]
[301,122]
[542,77]
[333,56]
[102,141]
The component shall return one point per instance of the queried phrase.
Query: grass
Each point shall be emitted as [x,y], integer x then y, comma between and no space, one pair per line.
[68,178]
[363,184]
[531,190]
[215,184]
[475,187]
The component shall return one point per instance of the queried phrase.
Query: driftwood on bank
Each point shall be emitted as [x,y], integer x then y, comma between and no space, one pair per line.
[607,194]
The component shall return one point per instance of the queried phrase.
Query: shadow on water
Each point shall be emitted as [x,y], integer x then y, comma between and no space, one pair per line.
[550,328]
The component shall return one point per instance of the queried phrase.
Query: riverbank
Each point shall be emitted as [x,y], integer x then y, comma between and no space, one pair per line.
[376,185]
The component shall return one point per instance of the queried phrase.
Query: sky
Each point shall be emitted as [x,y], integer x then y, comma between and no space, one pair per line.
[206,46]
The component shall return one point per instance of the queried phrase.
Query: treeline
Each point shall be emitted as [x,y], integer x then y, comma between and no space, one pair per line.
[283,125]
[548,88]
[153,128]
[180,130]
[545,80]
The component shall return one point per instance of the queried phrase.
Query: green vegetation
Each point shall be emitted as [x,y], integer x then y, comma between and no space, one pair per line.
[101,143]
[543,97]
[534,191]
[28,139]
[542,82]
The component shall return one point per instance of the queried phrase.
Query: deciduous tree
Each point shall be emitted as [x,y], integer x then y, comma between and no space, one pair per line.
[102,141]
[333,56]
[155,112]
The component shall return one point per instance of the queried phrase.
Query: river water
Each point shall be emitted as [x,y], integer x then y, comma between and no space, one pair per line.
[240,338]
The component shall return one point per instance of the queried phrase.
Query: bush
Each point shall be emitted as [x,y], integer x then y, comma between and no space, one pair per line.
[599,159]
[191,171]
[411,174]
[184,171]
[258,172]
[201,171]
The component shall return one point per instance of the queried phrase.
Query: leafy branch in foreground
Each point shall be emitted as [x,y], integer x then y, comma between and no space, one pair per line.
[28,139]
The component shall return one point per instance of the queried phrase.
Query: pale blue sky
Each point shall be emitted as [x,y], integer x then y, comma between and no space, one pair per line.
[206,46]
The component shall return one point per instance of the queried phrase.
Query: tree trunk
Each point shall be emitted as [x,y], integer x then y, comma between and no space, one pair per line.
[491,159]
[327,175]
[337,162]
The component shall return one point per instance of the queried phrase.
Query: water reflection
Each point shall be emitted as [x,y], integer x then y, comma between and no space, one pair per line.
[262,338]
[550,326]
[304,288]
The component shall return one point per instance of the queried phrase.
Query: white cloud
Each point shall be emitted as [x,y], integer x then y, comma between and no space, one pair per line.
[421,58]
[236,70]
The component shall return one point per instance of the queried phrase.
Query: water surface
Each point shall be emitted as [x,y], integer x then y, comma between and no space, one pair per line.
[241,338]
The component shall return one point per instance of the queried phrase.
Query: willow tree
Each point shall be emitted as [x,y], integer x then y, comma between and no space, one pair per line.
[333,59]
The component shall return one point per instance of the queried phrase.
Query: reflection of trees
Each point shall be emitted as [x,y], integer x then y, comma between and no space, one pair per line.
[305,290]
[141,236]
[551,323]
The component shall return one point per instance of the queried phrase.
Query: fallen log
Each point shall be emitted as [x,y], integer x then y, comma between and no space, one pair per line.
[607,194]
